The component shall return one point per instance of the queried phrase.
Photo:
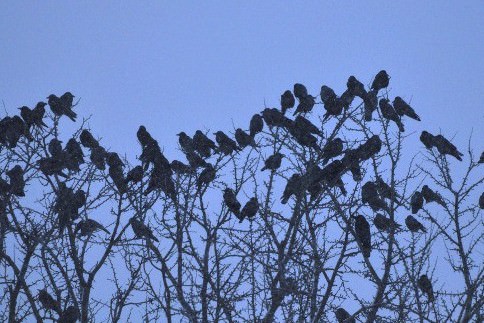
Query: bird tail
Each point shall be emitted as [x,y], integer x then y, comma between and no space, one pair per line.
[71,114]
[400,126]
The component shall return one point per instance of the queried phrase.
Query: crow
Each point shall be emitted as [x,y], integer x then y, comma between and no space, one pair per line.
[305,105]
[369,148]
[305,125]
[70,315]
[332,149]
[98,157]
[274,117]
[67,100]
[195,160]
[427,139]
[79,199]
[369,195]
[55,148]
[207,175]
[144,136]
[380,81]
[273,162]
[48,302]
[416,202]
[230,199]
[363,234]
[116,174]
[383,223]
[226,145]
[389,113]
[30,117]
[414,225]
[38,114]
[60,106]
[88,227]
[180,168]
[347,98]
[431,196]
[327,95]
[202,144]
[370,104]
[287,101]
[343,316]
[445,147]
[355,87]
[186,143]
[403,108]
[333,108]
[87,139]
[74,155]
[425,285]
[52,166]
[113,160]
[17,182]
[481,201]
[300,91]
[142,231]
[250,209]
[256,125]
[244,139]
[293,187]
[4,187]
[135,175]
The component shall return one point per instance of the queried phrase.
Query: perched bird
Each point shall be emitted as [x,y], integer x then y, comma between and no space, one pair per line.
[431,196]
[369,195]
[135,175]
[161,180]
[87,139]
[273,117]
[370,104]
[48,302]
[351,161]
[293,187]
[98,157]
[380,81]
[327,95]
[314,189]
[332,104]
[273,162]
[230,199]
[55,148]
[52,166]
[207,175]
[74,155]
[113,160]
[88,227]
[195,160]
[180,168]
[481,159]
[226,145]
[369,148]
[331,174]
[332,149]
[14,129]
[141,231]
[256,124]
[414,225]
[186,143]
[287,101]
[403,108]
[38,114]
[363,234]
[116,174]
[427,139]
[389,113]
[305,125]
[481,201]
[250,209]
[300,91]
[17,182]
[383,223]
[79,199]
[203,145]
[67,100]
[30,117]
[416,202]
[70,315]
[425,285]
[355,87]
[144,136]
[60,107]
[385,190]
[347,98]
[343,316]
[4,187]
[244,139]
[445,147]
[304,138]
[305,105]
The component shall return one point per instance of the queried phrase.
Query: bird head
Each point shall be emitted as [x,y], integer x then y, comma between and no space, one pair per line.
[52,97]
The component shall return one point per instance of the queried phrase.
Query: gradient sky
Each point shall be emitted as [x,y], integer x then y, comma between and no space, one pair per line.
[176,66]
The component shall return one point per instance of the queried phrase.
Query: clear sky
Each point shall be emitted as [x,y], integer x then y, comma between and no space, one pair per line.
[184,65]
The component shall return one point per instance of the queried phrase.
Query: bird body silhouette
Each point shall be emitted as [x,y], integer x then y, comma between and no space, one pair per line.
[380,81]
[256,125]
[414,225]
[287,101]
[141,231]
[403,108]
[250,209]
[389,113]
[230,199]
[273,162]
[425,285]
[363,234]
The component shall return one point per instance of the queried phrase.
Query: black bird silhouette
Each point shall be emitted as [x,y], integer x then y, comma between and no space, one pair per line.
[293,187]
[141,230]
[481,201]
[273,117]
[363,234]
[431,196]
[481,159]
[113,160]
[207,175]
[347,98]
[186,143]
[416,202]
[30,117]
[67,100]
[116,174]
[70,315]
[385,190]
[314,190]
[161,180]
[64,206]
[333,108]
[38,114]
[305,105]
[425,285]
[74,155]
[445,147]
[144,136]
[14,129]
[300,91]
[380,81]
[331,174]
[88,227]
[427,139]
[180,168]
[230,199]
[4,188]
[273,162]
[195,160]
[414,225]
[332,149]
[355,87]
[60,107]
[287,101]
[327,95]
[87,139]
[303,137]
[351,161]
[369,195]
[48,302]
[55,148]
[305,125]
[370,104]
[244,139]
[135,175]
[343,316]
[256,125]
[202,144]
[403,108]
[51,166]
[371,147]
[226,145]
[389,113]
[250,209]
[17,182]
[98,157]
[383,223]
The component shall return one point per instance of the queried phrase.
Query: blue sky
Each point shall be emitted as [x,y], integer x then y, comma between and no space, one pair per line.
[184,66]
